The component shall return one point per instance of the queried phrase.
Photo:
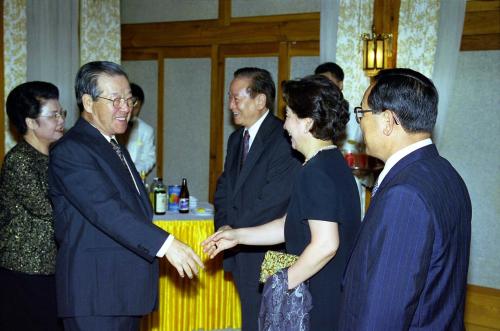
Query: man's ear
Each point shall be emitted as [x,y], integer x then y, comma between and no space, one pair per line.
[87,103]
[261,100]
[31,123]
[388,121]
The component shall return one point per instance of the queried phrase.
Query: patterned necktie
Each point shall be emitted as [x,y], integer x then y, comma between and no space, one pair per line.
[118,151]
[375,189]
[246,145]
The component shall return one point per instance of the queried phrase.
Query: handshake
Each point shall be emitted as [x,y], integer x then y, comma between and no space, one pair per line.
[186,261]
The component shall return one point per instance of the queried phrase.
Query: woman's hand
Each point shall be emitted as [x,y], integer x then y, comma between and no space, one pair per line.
[224,238]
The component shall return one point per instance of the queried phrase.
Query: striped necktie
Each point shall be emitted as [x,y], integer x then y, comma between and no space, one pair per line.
[246,145]
[375,189]
[118,151]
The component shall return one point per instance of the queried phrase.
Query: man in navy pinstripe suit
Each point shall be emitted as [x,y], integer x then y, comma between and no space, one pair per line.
[408,268]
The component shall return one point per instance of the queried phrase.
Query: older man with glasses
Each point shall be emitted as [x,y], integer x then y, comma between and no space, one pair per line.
[408,268]
[107,264]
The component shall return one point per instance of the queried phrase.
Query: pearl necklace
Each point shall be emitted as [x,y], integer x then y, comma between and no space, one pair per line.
[319,150]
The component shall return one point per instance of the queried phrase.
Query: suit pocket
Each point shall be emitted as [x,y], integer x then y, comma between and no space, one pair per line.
[124,283]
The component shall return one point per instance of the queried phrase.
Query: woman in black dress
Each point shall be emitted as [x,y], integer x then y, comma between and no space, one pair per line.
[323,215]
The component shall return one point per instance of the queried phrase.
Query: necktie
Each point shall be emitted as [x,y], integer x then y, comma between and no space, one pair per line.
[246,145]
[118,151]
[375,189]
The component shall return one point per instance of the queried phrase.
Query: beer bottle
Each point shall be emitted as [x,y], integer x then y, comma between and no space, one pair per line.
[184,197]
[152,191]
[160,198]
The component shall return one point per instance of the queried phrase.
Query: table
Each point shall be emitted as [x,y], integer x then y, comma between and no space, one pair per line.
[207,303]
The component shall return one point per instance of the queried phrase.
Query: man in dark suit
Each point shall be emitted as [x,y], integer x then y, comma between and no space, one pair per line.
[408,268]
[107,266]
[256,183]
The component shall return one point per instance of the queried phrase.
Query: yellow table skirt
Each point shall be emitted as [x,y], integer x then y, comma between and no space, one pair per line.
[208,302]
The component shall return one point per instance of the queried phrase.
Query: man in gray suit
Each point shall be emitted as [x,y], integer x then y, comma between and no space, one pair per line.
[255,185]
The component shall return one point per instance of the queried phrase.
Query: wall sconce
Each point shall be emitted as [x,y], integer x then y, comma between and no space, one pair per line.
[376,49]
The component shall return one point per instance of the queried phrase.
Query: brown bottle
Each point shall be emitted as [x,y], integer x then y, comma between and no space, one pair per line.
[184,197]
[160,198]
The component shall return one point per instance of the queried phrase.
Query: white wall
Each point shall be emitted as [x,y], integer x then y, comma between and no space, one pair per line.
[244,8]
[471,143]
[146,11]
[186,145]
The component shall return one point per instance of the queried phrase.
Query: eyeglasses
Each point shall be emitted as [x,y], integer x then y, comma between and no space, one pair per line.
[117,102]
[56,115]
[358,111]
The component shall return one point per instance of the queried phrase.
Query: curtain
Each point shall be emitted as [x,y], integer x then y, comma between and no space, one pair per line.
[100,31]
[15,53]
[417,35]
[451,24]
[355,18]
[53,53]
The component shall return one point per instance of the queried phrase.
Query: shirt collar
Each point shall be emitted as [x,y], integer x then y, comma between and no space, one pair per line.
[108,138]
[252,131]
[396,157]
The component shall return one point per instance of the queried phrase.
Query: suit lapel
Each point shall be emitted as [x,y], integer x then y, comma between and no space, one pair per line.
[143,196]
[421,153]
[255,152]
[105,151]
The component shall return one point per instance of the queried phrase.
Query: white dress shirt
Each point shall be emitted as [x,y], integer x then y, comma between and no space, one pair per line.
[396,157]
[252,131]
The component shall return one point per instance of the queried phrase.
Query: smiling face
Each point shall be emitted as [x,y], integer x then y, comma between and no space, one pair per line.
[245,109]
[49,128]
[297,129]
[101,113]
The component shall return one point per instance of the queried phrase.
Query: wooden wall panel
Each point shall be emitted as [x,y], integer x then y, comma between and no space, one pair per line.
[250,49]
[216,120]
[481,26]
[160,116]
[386,20]
[283,74]
[303,48]
[302,27]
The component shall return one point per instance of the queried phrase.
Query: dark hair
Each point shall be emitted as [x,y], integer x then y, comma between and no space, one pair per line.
[26,100]
[318,98]
[87,76]
[137,92]
[410,95]
[332,68]
[261,82]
